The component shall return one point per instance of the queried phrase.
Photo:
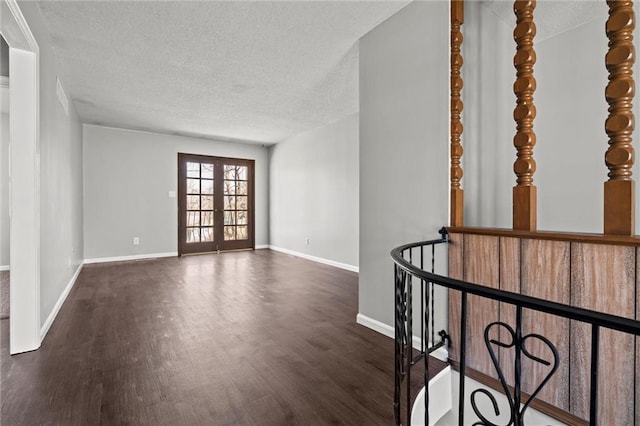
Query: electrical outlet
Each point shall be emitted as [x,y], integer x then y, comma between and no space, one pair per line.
[306,241]
[136,241]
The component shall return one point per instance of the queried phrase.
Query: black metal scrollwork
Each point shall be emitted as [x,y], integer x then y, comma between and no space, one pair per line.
[400,337]
[518,342]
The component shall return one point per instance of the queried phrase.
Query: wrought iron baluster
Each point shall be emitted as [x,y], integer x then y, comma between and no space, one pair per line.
[399,337]
[433,270]
[423,306]
[426,366]
[463,353]
[593,397]
[517,368]
[409,347]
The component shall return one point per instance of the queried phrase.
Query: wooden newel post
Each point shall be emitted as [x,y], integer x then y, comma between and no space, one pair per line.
[619,190]
[457,194]
[524,193]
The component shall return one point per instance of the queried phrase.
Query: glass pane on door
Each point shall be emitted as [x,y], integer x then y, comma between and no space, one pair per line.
[199,208]
[235,202]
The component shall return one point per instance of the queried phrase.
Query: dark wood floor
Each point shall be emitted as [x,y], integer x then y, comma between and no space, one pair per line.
[233,339]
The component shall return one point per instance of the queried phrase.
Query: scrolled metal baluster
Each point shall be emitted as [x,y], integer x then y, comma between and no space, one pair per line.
[516,413]
[503,382]
[483,420]
[554,366]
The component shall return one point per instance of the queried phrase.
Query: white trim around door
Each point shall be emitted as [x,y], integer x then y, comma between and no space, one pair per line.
[24,172]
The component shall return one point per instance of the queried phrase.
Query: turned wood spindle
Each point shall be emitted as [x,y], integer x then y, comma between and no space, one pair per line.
[619,190]
[524,193]
[457,194]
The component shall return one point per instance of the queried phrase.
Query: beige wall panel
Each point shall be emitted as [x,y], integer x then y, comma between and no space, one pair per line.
[545,274]
[603,279]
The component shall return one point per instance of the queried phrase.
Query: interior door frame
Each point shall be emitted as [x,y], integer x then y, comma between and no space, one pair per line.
[219,244]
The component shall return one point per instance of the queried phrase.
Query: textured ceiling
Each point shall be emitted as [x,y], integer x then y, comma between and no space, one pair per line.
[553,17]
[253,71]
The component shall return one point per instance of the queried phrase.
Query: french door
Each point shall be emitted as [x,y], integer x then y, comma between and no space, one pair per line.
[215,204]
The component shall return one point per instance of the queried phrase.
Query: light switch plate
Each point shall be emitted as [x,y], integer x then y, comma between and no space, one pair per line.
[172,194]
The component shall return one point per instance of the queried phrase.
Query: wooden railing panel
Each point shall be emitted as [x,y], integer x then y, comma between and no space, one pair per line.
[545,274]
[482,270]
[603,279]
[456,270]
[524,193]
[637,359]
[509,281]
[619,190]
[457,194]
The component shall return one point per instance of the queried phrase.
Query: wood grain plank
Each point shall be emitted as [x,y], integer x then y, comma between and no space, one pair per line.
[509,281]
[637,354]
[481,266]
[603,279]
[456,270]
[545,274]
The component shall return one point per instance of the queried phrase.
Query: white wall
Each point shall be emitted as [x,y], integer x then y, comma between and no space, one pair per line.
[4,189]
[403,144]
[127,178]
[60,178]
[314,192]
[571,140]
[488,126]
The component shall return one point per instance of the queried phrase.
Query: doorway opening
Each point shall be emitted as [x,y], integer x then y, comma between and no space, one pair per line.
[215,204]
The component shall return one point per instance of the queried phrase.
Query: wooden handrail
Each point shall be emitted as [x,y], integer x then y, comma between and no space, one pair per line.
[619,190]
[457,194]
[524,193]
[572,237]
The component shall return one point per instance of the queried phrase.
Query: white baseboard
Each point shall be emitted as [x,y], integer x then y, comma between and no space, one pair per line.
[132,257]
[56,308]
[5,268]
[389,331]
[376,325]
[317,259]
[262,247]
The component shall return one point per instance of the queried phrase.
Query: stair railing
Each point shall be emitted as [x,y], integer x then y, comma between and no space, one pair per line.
[410,269]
